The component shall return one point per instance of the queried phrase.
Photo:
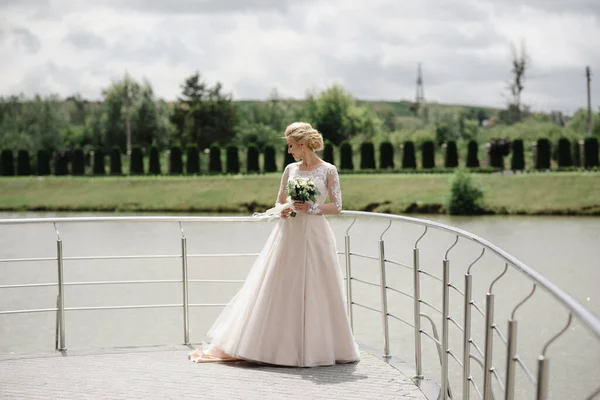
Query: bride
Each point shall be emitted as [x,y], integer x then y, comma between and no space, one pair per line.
[291,309]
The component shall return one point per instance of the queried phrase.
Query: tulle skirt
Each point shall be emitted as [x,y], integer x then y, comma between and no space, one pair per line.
[291,309]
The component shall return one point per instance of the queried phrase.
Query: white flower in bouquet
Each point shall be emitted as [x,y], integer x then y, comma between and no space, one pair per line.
[302,189]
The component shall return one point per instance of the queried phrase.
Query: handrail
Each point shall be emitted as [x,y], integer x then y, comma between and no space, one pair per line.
[575,309]
[589,320]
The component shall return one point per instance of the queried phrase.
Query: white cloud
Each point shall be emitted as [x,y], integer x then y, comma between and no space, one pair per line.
[251,46]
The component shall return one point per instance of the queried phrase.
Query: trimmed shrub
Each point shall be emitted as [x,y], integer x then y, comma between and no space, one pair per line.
[23,163]
[61,163]
[252,163]
[192,160]
[214,160]
[466,197]
[367,155]
[576,153]
[473,154]
[99,166]
[386,155]
[78,165]
[7,163]
[136,163]
[270,164]
[409,159]
[590,152]
[233,159]
[428,160]
[116,167]
[43,163]
[497,150]
[287,158]
[346,156]
[154,165]
[542,160]
[328,152]
[517,160]
[564,158]
[176,160]
[451,155]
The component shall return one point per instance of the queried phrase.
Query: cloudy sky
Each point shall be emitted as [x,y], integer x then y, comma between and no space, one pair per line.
[371,47]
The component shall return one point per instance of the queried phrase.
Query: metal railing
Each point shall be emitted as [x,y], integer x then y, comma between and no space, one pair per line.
[484,358]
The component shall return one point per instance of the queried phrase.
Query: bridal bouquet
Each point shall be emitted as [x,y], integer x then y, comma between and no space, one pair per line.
[302,189]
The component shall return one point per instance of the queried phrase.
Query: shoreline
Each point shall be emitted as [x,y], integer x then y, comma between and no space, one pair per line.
[552,194]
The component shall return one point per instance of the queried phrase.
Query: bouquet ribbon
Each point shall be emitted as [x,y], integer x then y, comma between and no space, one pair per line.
[275,211]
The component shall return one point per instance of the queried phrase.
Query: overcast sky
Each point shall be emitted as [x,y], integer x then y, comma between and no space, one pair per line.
[370,47]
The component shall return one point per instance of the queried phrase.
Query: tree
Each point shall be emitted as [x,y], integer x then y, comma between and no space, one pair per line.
[269,159]
[7,163]
[176,162]
[78,165]
[328,152]
[23,163]
[564,153]
[367,155]
[520,65]
[121,97]
[192,160]
[473,154]
[451,155]
[252,164]
[233,159]
[346,156]
[517,162]
[154,163]
[214,161]
[428,160]
[99,167]
[336,114]
[409,158]
[204,115]
[543,154]
[386,155]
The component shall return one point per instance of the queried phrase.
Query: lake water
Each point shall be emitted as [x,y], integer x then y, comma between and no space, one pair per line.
[563,249]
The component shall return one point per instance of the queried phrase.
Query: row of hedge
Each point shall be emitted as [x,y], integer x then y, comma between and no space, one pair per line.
[566,153]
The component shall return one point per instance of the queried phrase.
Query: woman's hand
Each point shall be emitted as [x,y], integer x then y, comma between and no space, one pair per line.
[301,206]
[286,213]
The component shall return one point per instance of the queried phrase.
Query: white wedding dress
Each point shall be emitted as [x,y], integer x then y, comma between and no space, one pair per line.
[291,309]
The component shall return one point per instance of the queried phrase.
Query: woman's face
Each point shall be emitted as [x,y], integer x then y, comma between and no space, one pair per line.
[295,149]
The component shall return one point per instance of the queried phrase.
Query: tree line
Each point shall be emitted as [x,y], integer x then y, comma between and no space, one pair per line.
[131,116]
[567,155]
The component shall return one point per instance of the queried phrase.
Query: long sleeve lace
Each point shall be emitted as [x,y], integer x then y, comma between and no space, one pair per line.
[333,188]
[281,196]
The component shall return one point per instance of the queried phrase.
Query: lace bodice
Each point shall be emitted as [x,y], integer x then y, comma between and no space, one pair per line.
[325,177]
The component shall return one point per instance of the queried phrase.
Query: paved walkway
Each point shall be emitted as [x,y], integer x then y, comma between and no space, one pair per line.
[165,373]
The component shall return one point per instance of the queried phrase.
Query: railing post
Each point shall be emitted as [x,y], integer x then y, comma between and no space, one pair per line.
[489,336]
[467,337]
[384,310]
[184,268]
[417,314]
[445,312]
[542,378]
[510,359]
[61,297]
[349,281]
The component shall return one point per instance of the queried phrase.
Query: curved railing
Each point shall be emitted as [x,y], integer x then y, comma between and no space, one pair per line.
[495,383]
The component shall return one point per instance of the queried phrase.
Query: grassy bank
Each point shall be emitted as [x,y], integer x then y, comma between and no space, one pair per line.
[575,193]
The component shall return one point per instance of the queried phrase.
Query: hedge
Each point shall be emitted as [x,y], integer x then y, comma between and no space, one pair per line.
[409,159]
[346,156]
[367,155]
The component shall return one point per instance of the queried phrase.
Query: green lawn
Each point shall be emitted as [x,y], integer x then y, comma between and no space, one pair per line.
[532,193]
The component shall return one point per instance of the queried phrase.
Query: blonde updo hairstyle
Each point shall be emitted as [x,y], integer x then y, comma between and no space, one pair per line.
[304,133]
